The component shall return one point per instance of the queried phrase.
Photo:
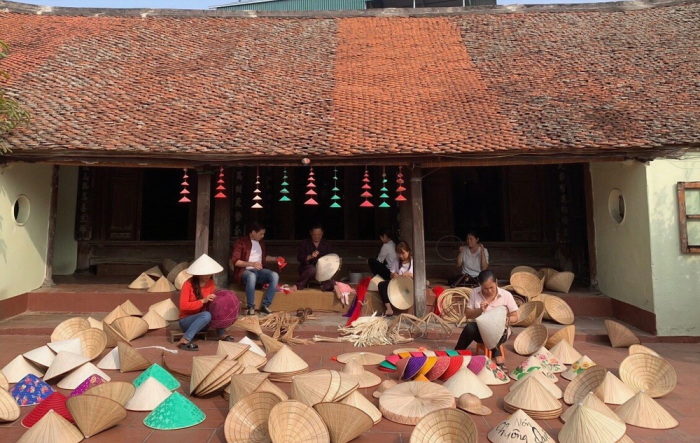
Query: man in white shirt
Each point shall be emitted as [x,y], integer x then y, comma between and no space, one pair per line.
[387,256]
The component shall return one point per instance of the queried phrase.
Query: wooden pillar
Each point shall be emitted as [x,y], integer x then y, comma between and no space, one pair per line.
[48,274]
[222,232]
[419,277]
[201,239]
[590,226]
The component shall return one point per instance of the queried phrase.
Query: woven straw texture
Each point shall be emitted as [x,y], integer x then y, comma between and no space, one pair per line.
[243,384]
[201,368]
[116,313]
[270,344]
[344,422]
[558,310]
[253,346]
[355,371]
[400,292]
[492,324]
[472,404]
[363,358]
[130,327]
[613,391]
[95,414]
[592,402]
[644,372]
[9,410]
[565,353]
[173,273]
[526,284]
[143,281]
[567,333]
[175,412]
[75,378]
[560,282]
[92,342]
[97,324]
[4,384]
[587,425]
[533,398]
[15,370]
[113,337]
[162,285]
[293,422]
[645,412]
[285,361]
[620,336]
[466,382]
[231,350]
[154,320]
[313,387]
[249,323]
[219,377]
[160,374]
[42,356]
[383,386]
[544,381]
[517,428]
[166,309]
[578,367]
[131,308]
[587,381]
[154,272]
[52,428]
[528,313]
[247,421]
[119,391]
[548,273]
[359,401]
[445,426]
[250,358]
[130,359]
[517,269]
[530,340]
[407,403]
[148,396]
[64,363]
[68,328]
[637,349]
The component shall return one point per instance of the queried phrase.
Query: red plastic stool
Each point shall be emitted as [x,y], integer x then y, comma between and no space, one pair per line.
[481,350]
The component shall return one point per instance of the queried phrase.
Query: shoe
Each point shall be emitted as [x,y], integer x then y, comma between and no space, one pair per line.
[251,311]
[188,347]
[227,338]
[266,310]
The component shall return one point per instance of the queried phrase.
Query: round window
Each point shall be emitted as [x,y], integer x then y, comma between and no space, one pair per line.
[21,210]
[616,206]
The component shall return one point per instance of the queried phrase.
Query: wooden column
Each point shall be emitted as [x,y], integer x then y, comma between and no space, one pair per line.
[590,226]
[419,277]
[48,273]
[201,239]
[222,232]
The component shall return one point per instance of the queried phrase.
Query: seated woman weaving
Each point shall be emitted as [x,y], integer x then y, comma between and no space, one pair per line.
[402,266]
[487,296]
[473,259]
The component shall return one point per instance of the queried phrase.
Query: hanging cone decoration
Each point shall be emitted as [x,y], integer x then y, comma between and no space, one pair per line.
[565,353]
[95,414]
[310,185]
[110,361]
[175,412]
[9,409]
[166,309]
[15,370]
[143,281]
[87,384]
[256,198]
[366,194]
[592,402]
[284,191]
[620,336]
[148,396]
[119,391]
[384,196]
[400,188]
[52,428]
[466,382]
[55,402]
[518,427]
[247,420]
[160,374]
[130,359]
[69,328]
[612,391]
[77,377]
[30,390]
[344,422]
[588,425]
[221,188]
[42,356]
[645,412]
[154,320]
[335,197]
[184,191]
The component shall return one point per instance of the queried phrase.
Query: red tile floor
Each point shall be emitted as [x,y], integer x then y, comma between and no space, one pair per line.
[682,403]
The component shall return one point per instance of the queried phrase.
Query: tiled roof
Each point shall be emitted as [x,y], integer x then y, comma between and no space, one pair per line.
[476,83]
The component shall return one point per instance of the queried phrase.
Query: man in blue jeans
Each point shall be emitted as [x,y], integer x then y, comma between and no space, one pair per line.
[249,257]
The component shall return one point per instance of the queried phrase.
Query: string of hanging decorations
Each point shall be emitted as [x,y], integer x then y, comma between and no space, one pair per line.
[335,197]
[384,190]
[220,182]
[257,199]
[284,190]
[366,194]
[184,191]
[311,185]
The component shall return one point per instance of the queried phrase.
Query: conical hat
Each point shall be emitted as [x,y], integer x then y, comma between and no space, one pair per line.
[549,361]
[292,421]
[517,426]
[231,350]
[270,344]
[246,422]
[466,382]
[363,358]
[244,384]
[526,284]
[42,356]
[166,309]
[87,384]
[285,361]
[119,391]
[52,428]
[116,313]
[72,345]
[587,425]
[359,401]
[68,328]
[218,377]
[400,292]
[645,412]
[547,383]
[567,333]
[620,336]
[154,272]
[613,391]
[312,388]
[201,367]
[143,281]
[113,337]
[383,386]
[180,279]
[530,340]
[641,349]
[487,371]
[55,402]
[154,320]
[75,378]
[110,361]
[130,359]
[587,381]
[160,374]
[97,324]
[523,269]
[346,387]
[445,426]
[565,353]
[130,327]
[250,358]
[4,384]
[344,422]
[532,396]
[532,363]
[373,284]
[577,367]
[558,310]
[30,390]
[9,409]
[162,285]
[354,370]
[645,372]
[253,347]
[407,403]
[327,266]
[95,414]
[560,282]
[149,394]
[131,308]
[592,402]
[528,313]
[175,412]
[492,325]
[204,265]
[173,273]
[64,363]
[15,370]
[92,342]
[168,264]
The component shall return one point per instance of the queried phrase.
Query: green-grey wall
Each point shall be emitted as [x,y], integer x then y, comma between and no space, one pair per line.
[65,257]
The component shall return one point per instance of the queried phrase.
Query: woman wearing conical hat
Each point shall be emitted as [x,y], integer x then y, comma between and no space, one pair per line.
[402,266]
[194,296]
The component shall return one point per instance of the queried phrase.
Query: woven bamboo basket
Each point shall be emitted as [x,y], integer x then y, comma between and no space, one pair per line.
[561,282]
[620,336]
[645,412]
[69,328]
[292,421]
[344,422]
[526,284]
[528,313]
[445,426]
[644,372]
[588,381]
[558,310]
[247,421]
[95,414]
[530,340]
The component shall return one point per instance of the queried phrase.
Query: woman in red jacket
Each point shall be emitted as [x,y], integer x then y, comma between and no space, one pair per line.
[195,294]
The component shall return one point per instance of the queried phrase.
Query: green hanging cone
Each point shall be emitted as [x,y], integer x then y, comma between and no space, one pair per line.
[384,205]
[284,191]
[160,374]
[383,196]
[175,412]
[384,189]
[335,189]
[285,199]
[335,197]
[284,183]
[335,205]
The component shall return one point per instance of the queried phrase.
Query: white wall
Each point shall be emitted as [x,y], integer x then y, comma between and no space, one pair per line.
[23,248]
[65,258]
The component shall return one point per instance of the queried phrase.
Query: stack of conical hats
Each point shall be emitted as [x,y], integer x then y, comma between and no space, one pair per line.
[466,382]
[565,352]
[567,333]
[79,375]
[534,399]
[156,371]
[130,359]
[162,285]
[247,420]
[322,386]
[407,403]
[344,422]
[547,383]
[94,414]
[148,396]
[119,391]
[363,358]
[166,309]
[645,372]
[588,425]
[116,313]
[517,426]
[250,358]
[18,368]
[52,428]
[361,402]
[154,320]
[143,281]
[593,402]
[175,412]
[211,373]
[645,412]
[613,391]
[69,328]
[284,365]
[292,421]
[231,350]
[244,384]
[620,336]
[578,367]
[130,327]
[354,370]
[588,381]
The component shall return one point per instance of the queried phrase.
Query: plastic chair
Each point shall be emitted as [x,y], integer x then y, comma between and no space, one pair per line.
[481,350]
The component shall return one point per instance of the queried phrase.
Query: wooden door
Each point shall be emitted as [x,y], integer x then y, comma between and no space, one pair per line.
[525,200]
[123,204]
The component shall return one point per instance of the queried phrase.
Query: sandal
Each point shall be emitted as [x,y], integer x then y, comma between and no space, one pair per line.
[188,347]
[227,338]
[503,368]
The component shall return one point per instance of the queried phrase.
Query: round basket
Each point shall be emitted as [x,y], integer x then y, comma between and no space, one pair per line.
[558,310]
[530,340]
[445,426]
[644,372]
[528,313]
[560,282]
[526,284]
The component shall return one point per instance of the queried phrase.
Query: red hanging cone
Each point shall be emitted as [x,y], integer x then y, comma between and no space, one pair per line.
[184,185]
[367,204]
[400,198]
[311,192]
[400,188]
[221,187]
[184,200]
[366,195]
[311,202]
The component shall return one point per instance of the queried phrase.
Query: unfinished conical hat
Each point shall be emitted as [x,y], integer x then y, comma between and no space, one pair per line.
[75,378]
[312,388]
[130,327]
[9,409]
[355,370]
[620,336]
[363,358]
[407,403]
[645,412]
[592,402]
[492,324]
[143,281]
[160,374]
[162,285]
[250,358]
[201,367]
[174,272]
[181,278]
[586,425]
[166,309]
[518,428]
[130,359]
[52,428]
[15,370]
[547,383]
[400,292]
[641,349]
[587,381]
[110,361]
[97,324]
[292,421]
[42,356]
[92,342]
[68,328]
[344,422]
[531,364]
[253,346]
[613,391]
[359,401]
[94,414]
[565,353]
[383,386]
[246,422]
[63,363]
[549,361]
[154,320]
[148,396]
[119,391]
[472,404]
[578,367]
[284,361]
[168,264]
[530,340]
[231,350]
[445,426]
[270,344]
[4,384]
[116,313]
[466,382]
[131,308]
[645,372]
[249,323]
[175,412]
[532,396]
[204,265]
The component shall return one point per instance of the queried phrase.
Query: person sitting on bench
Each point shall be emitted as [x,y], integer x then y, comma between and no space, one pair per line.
[310,250]
[487,296]
[197,292]
[249,257]
[381,265]
[402,266]
[473,259]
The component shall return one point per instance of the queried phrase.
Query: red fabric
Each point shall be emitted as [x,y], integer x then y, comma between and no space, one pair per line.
[361,291]
[55,401]
[189,305]
[241,251]
[438,290]
[224,309]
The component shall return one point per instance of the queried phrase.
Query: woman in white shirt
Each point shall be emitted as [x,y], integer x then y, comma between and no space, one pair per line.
[402,266]
[381,265]
[473,259]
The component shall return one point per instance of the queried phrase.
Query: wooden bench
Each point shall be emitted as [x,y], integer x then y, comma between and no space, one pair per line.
[176,334]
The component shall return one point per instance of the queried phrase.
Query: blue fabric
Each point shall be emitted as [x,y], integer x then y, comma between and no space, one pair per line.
[31,390]
[196,323]
[253,277]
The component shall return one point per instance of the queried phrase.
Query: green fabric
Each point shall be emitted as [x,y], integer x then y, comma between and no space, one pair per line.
[452,353]
[386,364]
[176,412]
[160,374]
